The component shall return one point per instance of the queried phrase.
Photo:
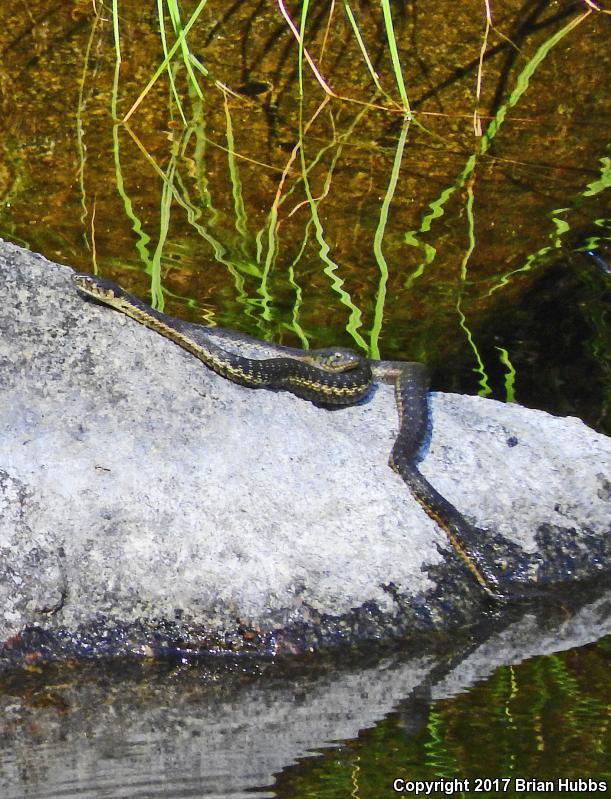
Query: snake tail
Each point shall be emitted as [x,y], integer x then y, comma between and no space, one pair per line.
[411,391]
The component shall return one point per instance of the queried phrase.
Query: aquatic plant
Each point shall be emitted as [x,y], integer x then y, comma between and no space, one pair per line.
[317,173]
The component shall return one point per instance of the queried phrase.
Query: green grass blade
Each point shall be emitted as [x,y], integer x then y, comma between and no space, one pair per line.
[302,24]
[363,49]
[394,54]
[162,67]
[164,45]
[186,53]
[378,317]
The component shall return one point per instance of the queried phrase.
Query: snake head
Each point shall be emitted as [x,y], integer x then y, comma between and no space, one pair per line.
[334,359]
[97,288]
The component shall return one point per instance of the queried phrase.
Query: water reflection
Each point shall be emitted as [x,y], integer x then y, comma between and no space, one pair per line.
[316,220]
[227,729]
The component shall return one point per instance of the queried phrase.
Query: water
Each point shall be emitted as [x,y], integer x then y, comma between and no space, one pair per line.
[485,256]
[347,726]
[404,242]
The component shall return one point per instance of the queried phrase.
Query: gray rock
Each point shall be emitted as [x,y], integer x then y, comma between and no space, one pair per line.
[145,500]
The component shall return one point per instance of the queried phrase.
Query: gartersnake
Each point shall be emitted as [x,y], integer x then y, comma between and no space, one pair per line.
[332,376]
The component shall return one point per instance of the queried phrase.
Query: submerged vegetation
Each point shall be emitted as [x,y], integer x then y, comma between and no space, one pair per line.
[417,181]
[381,175]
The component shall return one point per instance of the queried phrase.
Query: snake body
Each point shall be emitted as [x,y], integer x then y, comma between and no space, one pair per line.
[331,376]
[411,386]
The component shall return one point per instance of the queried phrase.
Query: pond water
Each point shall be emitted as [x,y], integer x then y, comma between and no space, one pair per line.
[342,728]
[473,235]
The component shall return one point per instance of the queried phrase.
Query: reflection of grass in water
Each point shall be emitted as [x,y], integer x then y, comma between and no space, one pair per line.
[355,791]
[239,268]
[271,253]
[165,215]
[273,221]
[245,266]
[545,717]
[197,129]
[524,78]
[521,86]
[295,326]
[561,226]
[437,210]
[331,267]
[80,144]
[437,206]
[484,386]
[465,178]
[338,142]
[176,189]
[378,316]
[272,245]
[170,190]
[241,219]
[438,757]
[143,238]
[14,165]
[510,375]
[601,183]
[270,242]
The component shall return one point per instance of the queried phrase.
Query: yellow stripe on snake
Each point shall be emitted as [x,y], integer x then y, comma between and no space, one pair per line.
[332,376]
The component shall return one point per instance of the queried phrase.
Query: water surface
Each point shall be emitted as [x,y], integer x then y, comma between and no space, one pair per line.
[312,220]
[474,237]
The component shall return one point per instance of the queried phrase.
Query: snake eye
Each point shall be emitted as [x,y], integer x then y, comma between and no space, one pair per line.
[335,358]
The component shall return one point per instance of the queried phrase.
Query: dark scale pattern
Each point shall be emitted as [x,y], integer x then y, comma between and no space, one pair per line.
[329,377]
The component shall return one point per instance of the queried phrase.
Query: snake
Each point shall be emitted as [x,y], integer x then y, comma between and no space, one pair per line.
[331,376]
